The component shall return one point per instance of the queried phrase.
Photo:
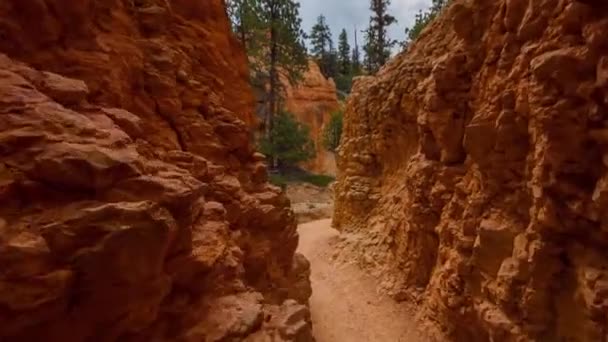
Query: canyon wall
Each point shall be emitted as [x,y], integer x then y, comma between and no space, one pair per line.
[473,172]
[312,101]
[133,206]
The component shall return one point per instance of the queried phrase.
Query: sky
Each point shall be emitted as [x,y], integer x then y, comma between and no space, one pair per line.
[348,13]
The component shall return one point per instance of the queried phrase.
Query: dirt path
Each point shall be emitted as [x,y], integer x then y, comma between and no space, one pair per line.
[345,305]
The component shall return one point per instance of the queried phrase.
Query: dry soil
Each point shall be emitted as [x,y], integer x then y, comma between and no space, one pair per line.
[345,305]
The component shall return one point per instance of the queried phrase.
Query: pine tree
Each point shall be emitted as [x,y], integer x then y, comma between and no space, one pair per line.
[331,63]
[356,57]
[369,61]
[333,131]
[246,21]
[320,38]
[271,32]
[322,45]
[286,50]
[344,62]
[378,45]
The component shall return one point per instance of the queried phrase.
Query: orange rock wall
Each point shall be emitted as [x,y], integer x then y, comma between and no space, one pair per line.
[124,48]
[133,206]
[312,101]
[473,172]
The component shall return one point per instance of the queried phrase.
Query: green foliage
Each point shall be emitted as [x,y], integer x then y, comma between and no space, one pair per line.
[322,47]
[271,32]
[289,141]
[318,180]
[278,180]
[422,20]
[344,76]
[339,65]
[249,28]
[333,131]
[329,64]
[356,64]
[282,19]
[369,48]
[320,38]
[377,43]
[356,58]
[246,21]
[344,83]
[344,62]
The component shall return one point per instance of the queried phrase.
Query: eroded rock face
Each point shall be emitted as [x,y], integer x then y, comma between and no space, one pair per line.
[312,101]
[473,172]
[133,205]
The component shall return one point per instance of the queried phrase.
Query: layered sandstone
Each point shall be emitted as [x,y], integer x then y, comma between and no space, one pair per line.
[312,101]
[133,206]
[473,172]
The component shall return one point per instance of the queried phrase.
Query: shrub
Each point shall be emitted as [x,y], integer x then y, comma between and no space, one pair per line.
[423,18]
[344,83]
[289,142]
[333,131]
[278,180]
[318,180]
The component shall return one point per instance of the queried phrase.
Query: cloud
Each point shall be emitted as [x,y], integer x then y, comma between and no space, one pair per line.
[349,14]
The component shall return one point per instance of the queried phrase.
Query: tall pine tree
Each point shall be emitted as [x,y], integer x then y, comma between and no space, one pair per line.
[345,73]
[378,45]
[271,32]
[320,37]
[286,50]
[345,65]
[322,46]
[356,57]
[330,63]
[369,47]
[246,21]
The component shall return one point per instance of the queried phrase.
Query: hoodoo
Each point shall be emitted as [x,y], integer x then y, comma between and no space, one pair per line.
[312,101]
[473,171]
[133,206]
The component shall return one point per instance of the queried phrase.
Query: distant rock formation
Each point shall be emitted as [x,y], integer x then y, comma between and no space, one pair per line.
[312,101]
[133,206]
[473,172]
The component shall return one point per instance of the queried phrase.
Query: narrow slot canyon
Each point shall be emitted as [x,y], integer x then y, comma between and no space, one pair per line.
[214,171]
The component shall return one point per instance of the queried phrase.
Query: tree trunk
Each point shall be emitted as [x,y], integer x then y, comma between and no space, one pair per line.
[271,111]
[242,28]
[272,98]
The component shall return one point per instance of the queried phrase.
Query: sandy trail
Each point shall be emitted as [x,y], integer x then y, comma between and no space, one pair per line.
[345,305]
